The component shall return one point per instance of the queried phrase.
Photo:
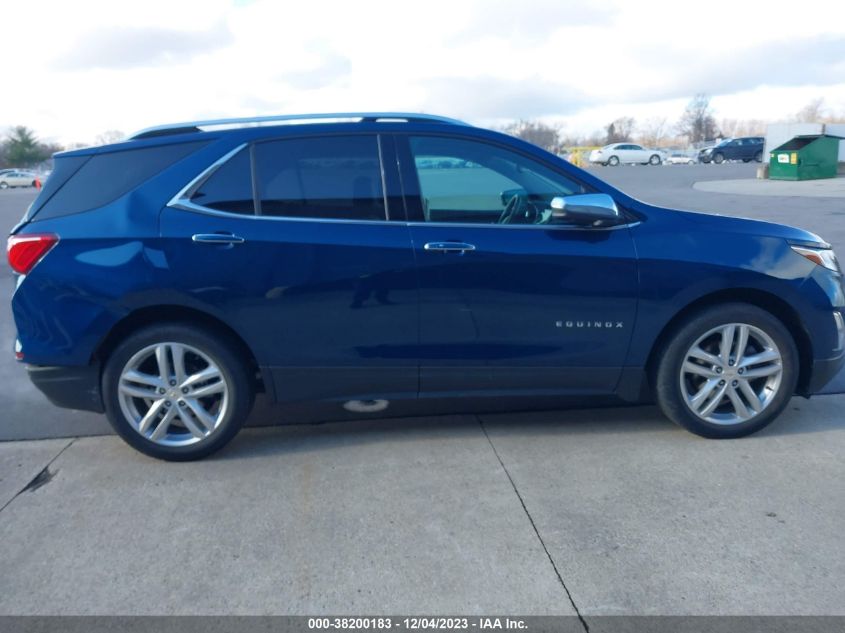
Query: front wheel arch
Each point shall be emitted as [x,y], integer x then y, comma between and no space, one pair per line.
[772,304]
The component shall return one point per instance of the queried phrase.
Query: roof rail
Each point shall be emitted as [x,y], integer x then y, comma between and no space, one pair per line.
[197,126]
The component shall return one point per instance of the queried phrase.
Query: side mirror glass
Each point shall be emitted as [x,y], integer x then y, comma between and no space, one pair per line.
[589,209]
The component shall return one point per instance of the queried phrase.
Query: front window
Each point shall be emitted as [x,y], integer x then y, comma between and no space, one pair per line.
[468,181]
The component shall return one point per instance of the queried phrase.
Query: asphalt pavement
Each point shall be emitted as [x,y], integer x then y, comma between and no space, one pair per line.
[594,511]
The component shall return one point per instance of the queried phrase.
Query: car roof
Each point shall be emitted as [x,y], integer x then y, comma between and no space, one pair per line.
[255,127]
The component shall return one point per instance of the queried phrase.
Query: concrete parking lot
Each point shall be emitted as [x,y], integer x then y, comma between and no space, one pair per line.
[594,512]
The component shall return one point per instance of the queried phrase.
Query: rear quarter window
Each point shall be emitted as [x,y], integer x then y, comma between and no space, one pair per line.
[229,188]
[105,177]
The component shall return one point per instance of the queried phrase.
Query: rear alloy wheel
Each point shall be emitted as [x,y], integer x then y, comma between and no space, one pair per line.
[654,160]
[718,158]
[728,372]
[175,392]
[758,157]
[613,161]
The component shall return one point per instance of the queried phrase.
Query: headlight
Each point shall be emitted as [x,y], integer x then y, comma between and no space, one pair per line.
[821,256]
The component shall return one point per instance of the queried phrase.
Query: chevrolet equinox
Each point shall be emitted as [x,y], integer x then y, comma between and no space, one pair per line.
[369,259]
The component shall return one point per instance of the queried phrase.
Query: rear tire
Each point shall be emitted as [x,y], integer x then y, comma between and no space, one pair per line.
[654,160]
[188,409]
[697,387]
[4,185]
[758,157]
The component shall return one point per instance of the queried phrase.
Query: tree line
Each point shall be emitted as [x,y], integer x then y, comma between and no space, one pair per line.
[21,148]
[696,124]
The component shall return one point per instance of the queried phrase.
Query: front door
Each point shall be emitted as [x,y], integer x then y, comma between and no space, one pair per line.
[508,301]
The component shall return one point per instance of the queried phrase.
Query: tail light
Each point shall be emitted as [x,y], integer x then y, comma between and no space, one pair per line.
[24,251]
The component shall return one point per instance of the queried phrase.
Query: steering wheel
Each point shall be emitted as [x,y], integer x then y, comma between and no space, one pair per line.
[509,210]
[515,208]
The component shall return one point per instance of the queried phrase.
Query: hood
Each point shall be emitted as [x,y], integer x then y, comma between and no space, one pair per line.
[747,226]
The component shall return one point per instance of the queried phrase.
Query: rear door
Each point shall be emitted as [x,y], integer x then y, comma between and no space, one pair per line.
[510,303]
[638,154]
[624,152]
[288,241]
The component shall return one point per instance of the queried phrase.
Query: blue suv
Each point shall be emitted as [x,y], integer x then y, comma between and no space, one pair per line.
[375,258]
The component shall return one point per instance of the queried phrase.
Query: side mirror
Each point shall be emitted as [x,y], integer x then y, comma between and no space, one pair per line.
[589,209]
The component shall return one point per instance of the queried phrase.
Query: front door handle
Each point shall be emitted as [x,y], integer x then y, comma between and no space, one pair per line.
[449,247]
[218,238]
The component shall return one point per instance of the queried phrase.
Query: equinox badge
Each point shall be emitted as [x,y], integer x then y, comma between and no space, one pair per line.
[606,325]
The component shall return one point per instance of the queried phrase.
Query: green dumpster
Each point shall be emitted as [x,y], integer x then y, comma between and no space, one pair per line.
[805,158]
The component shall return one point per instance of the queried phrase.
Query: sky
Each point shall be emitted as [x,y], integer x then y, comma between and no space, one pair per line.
[77,69]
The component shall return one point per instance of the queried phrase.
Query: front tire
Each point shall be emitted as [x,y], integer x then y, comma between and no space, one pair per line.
[613,161]
[758,157]
[176,392]
[727,371]
[4,185]
[654,160]
[719,159]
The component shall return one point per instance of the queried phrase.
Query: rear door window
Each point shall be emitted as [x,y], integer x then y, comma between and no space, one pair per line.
[331,177]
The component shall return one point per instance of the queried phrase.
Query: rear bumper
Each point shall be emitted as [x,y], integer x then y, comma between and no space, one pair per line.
[69,387]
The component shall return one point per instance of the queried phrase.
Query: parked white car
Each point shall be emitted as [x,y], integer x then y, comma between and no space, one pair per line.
[678,158]
[17,179]
[617,153]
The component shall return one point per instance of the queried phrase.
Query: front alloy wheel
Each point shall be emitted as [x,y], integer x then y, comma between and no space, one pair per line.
[726,371]
[731,374]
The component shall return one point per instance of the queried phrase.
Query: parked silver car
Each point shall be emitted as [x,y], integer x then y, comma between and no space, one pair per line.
[617,153]
[17,178]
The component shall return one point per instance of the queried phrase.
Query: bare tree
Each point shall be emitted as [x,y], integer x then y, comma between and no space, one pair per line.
[537,132]
[697,122]
[730,128]
[109,136]
[620,130]
[653,131]
[813,112]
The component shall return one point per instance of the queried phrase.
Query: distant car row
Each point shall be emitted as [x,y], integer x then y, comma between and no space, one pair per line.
[17,178]
[746,149]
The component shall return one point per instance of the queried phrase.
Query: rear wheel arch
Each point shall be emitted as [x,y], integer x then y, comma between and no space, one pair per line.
[161,314]
[771,303]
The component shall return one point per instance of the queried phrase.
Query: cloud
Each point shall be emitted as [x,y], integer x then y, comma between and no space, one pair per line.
[492,98]
[331,69]
[129,47]
[789,62]
[537,20]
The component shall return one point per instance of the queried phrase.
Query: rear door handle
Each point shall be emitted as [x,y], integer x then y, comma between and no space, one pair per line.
[449,247]
[218,238]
